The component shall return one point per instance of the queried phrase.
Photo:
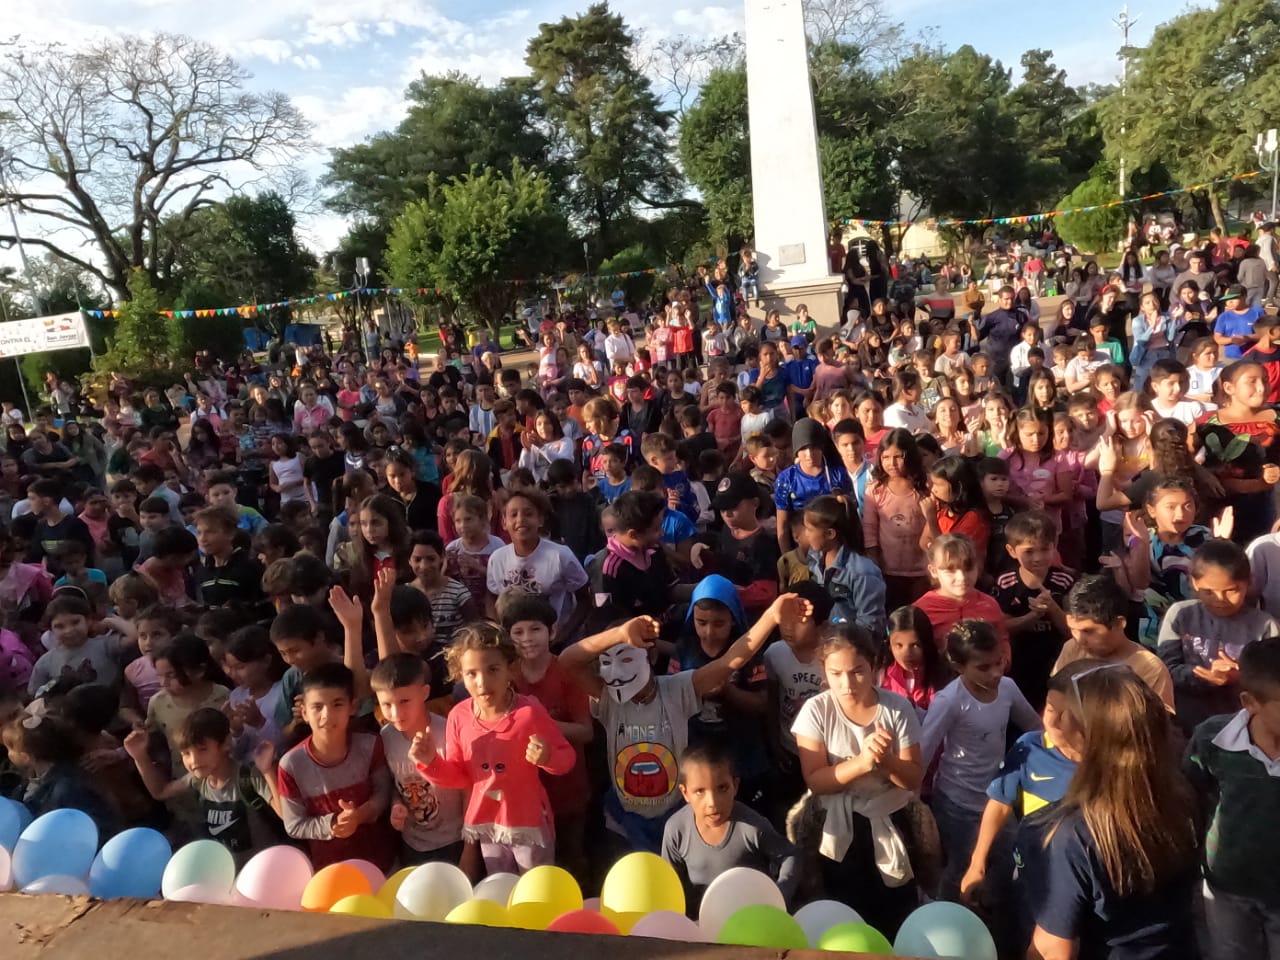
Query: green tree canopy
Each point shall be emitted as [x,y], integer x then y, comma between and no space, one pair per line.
[1097,230]
[144,341]
[716,152]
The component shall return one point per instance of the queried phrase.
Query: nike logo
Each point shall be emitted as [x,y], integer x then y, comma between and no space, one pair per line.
[215,831]
[1037,779]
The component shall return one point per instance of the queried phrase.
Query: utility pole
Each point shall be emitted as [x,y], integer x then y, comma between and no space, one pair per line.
[1125,23]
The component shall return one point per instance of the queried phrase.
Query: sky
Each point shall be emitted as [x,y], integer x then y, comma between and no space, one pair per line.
[346,63]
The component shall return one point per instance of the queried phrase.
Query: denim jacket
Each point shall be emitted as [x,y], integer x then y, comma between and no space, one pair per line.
[857,587]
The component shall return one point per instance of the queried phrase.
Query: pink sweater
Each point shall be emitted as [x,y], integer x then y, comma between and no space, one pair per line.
[894,524]
[508,804]
[945,612]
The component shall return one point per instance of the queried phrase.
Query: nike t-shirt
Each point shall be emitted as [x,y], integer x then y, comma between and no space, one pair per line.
[237,822]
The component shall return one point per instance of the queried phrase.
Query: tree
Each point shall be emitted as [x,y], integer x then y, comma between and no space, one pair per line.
[471,237]
[453,124]
[1062,145]
[122,139]
[145,340]
[715,152]
[607,125]
[1199,93]
[1095,230]
[864,24]
[681,64]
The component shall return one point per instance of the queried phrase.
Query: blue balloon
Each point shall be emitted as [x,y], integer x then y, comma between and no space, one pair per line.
[14,818]
[61,842]
[130,864]
[943,929]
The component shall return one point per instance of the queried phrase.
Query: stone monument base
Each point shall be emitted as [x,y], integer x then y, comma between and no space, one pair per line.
[822,297]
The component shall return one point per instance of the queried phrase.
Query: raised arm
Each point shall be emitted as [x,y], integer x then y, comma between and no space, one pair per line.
[350,614]
[580,659]
[716,674]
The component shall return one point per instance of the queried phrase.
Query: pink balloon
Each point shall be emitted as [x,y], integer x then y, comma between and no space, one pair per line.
[199,893]
[376,877]
[667,925]
[275,878]
[592,904]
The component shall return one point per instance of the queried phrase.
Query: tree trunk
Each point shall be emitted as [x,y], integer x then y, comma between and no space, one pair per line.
[1215,205]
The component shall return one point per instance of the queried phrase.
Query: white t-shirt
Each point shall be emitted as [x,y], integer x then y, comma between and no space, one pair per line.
[1188,411]
[1201,381]
[911,418]
[551,570]
[1264,564]
[797,683]
[821,719]
[644,741]
[435,813]
[971,736]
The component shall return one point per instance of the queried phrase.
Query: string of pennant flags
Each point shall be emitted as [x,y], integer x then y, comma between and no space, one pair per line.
[249,310]
[1045,215]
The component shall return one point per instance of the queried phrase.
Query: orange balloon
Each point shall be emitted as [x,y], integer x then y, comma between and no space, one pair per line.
[582,921]
[335,882]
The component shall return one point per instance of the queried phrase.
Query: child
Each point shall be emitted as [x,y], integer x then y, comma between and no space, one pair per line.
[966,725]
[955,505]
[724,420]
[189,680]
[467,557]
[603,419]
[48,751]
[154,628]
[744,551]
[334,786]
[54,526]
[715,832]
[534,563]
[860,752]
[613,481]
[301,637]
[222,493]
[910,664]
[227,574]
[1201,639]
[1096,610]
[833,537]
[811,476]
[75,656]
[953,566]
[763,457]
[428,818]
[1034,774]
[234,799]
[1231,763]
[253,664]
[1204,371]
[496,744]
[530,621]
[1031,597]
[576,513]
[153,516]
[635,575]
[645,717]
[73,557]
[659,452]
[1036,474]
[1249,479]
[897,486]
[451,602]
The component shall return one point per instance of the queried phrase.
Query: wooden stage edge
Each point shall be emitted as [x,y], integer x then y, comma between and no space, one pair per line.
[50,926]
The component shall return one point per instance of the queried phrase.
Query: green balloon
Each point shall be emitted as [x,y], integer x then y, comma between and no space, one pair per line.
[763,926]
[855,938]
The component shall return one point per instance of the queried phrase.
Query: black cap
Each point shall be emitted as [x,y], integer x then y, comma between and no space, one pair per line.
[1234,292]
[733,489]
[808,432]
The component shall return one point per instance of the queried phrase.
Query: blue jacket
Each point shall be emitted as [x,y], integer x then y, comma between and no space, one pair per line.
[721,589]
[857,587]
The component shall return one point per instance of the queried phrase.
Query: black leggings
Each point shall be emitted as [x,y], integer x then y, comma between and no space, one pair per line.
[856,881]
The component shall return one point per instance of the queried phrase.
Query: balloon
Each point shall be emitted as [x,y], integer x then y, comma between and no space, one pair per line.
[820,916]
[944,929]
[203,863]
[6,871]
[375,876]
[274,878]
[431,891]
[335,882]
[855,938]
[591,903]
[582,921]
[665,925]
[362,905]
[14,818]
[130,864]
[199,893]
[497,887]
[759,925]
[641,883]
[548,886]
[480,912]
[530,916]
[387,892]
[61,842]
[58,883]
[734,889]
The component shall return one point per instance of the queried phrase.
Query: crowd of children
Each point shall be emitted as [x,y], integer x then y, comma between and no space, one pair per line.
[815,602]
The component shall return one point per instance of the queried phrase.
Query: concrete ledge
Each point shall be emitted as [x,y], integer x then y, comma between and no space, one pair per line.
[77,927]
[822,297]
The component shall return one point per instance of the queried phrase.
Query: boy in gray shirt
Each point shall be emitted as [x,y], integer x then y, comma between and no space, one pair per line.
[713,833]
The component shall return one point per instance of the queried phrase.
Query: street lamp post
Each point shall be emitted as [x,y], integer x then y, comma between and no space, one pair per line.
[1266,148]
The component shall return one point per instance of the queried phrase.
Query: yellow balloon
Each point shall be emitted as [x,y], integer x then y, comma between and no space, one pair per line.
[484,913]
[389,889]
[641,883]
[548,886]
[623,921]
[362,905]
[531,916]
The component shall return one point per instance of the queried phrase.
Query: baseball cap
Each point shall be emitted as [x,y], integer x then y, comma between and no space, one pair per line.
[1234,292]
[733,489]
[799,341]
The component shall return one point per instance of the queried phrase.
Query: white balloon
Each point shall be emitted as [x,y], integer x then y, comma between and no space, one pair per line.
[666,925]
[431,892]
[497,888]
[58,883]
[820,916]
[6,871]
[200,893]
[731,891]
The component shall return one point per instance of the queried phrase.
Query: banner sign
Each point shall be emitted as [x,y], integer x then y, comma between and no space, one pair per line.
[42,334]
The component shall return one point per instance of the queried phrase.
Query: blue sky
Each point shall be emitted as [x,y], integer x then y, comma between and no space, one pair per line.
[347,62]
